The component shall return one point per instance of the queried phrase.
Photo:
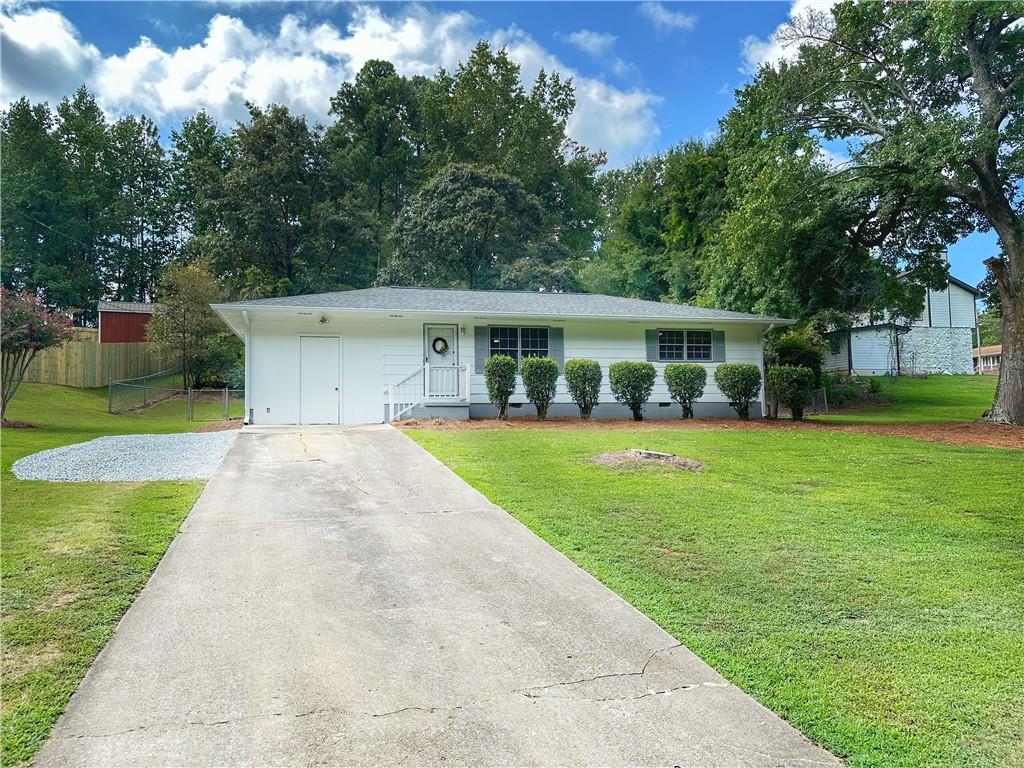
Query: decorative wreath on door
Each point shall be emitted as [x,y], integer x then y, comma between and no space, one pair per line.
[440,345]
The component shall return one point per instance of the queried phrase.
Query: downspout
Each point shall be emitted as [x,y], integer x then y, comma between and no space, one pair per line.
[248,367]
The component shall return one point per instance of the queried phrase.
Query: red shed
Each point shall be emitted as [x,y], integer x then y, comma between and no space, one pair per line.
[123,321]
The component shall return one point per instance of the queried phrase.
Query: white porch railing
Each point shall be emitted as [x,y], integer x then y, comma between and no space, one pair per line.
[428,383]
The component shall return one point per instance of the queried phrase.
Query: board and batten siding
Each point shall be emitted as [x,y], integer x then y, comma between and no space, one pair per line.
[606,341]
[952,308]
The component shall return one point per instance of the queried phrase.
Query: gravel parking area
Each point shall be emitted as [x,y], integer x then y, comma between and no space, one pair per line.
[130,458]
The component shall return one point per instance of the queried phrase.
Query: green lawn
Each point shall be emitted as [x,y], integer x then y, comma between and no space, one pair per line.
[74,555]
[868,589]
[926,399]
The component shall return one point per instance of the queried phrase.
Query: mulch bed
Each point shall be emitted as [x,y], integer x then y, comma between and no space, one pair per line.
[18,425]
[950,433]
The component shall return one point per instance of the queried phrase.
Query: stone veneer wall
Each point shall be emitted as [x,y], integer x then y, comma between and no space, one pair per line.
[936,350]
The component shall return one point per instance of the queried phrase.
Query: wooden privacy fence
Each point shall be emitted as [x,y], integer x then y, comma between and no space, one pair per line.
[91,364]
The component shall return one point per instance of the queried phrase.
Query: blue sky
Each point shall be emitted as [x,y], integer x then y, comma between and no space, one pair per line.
[648,74]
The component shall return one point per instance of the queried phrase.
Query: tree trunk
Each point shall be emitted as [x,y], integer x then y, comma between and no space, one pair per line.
[1008,405]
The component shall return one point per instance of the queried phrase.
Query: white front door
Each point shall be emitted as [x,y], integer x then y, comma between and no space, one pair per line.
[319,380]
[442,357]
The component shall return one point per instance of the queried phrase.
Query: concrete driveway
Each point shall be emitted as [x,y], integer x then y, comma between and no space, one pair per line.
[339,597]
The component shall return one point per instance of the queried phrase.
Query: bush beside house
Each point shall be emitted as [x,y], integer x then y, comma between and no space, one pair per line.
[583,380]
[500,377]
[540,377]
[741,383]
[792,386]
[685,383]
[631,384]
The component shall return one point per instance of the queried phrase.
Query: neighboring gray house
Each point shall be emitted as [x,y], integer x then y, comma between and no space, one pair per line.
[939,341]
[357,357]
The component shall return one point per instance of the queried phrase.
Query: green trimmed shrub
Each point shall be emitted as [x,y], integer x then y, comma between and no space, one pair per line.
[540,376]
[583,380]
[686,384]
[741,383]
[795,349]
[632,383]
[500,376]
[793,386]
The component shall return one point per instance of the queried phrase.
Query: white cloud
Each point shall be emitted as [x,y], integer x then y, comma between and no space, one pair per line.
[588,41]
[771,50]
[620,122]
[664,19]
[43,55]
[301,65]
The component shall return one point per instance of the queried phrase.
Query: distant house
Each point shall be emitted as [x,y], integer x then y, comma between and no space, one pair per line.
[123,321]
[938,341]
[987,359]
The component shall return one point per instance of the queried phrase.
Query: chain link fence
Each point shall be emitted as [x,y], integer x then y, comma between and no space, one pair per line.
[165,395]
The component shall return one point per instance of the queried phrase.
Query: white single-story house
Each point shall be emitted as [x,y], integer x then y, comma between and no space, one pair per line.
[987,359]
[379,354]
[937,341]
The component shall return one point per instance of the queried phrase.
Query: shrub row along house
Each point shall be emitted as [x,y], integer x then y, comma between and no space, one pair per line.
[380,354]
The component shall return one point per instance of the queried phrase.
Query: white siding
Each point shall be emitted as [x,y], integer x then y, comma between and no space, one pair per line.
[953,307]
[386,350]
[273,359]
[873,351]
[604,341]
[940,308]
[961,306]
[838,360]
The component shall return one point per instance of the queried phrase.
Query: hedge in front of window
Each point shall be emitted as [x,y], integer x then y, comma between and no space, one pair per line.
[500,377]
[632,383]
[686,384]
[793,386]
[540,376]
[583,380]
[741,383]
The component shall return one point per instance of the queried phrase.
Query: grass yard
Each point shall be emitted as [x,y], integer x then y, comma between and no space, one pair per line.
[74,555]
[866,588]
[925,400]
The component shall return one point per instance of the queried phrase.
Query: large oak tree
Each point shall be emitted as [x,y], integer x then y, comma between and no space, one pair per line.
[929,97]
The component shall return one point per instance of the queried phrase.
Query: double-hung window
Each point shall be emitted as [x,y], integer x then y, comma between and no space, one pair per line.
[677,345]
[519,343]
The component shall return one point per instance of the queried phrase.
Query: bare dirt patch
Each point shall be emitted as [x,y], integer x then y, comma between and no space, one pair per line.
[636,457]
[221,426]
[18,425]
[951,433]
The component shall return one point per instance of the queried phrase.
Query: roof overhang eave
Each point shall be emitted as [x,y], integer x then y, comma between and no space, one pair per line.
[221,309]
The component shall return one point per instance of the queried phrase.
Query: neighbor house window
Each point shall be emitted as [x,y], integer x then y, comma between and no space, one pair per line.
[518,343]
[684,345]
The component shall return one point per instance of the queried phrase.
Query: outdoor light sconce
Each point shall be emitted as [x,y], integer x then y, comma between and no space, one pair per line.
[324,320]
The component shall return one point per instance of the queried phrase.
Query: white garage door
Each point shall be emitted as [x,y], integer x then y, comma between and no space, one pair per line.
[319,380]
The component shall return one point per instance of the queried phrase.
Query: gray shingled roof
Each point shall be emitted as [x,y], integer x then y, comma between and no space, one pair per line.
[532,303]
[139,307]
